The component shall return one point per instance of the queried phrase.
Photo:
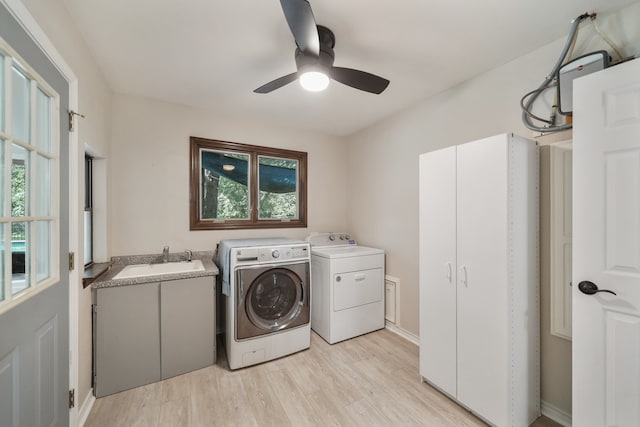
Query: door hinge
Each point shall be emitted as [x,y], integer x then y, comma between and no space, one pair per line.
[71,116]
[72,262]
[72,398]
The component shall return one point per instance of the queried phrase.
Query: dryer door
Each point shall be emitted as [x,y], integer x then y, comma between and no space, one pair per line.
[272,299]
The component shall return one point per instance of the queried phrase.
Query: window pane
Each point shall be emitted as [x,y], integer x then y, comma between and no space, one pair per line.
[43,123]
[43,251]
[19,182]
[88,182]
[2,267]
[19,256]
[88,237]
[224,188]
[3,168]
[2,94]
[20,105]
[278,184]
[43,187]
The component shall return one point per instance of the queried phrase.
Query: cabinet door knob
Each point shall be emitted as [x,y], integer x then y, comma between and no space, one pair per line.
[590,288]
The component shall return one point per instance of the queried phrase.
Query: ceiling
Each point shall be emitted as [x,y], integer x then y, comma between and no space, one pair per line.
[213,53]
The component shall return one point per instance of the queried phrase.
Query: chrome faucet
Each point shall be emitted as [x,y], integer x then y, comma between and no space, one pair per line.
[189,254]
[165,254]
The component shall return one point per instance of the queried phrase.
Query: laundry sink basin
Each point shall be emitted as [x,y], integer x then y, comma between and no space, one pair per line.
[142,270]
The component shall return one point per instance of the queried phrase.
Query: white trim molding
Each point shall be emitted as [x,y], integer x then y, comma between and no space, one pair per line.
[556,414]
[403,333]
[85,409]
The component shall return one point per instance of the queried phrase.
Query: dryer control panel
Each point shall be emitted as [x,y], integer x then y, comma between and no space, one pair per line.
[330,239]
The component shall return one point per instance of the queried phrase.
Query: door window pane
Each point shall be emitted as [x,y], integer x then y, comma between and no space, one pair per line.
[29,188]
[43,187]
[2,93]
[19,181]
[20,105]
[20,255]
[3,172]
[224,180]
[43,251]
[2,260]
[278,184]
[43,124]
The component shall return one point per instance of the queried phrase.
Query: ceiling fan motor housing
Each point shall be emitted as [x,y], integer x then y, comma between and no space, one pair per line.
[325,58]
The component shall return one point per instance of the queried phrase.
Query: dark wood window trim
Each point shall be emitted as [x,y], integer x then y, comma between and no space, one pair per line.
[253,151]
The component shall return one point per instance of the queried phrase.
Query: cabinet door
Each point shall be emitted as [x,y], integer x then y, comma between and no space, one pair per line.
[187,324]
[127,337]
[438,268]
[482,244]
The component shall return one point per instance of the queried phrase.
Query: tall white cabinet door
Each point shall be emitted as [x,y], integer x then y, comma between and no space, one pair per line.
[482,216]
[438,268]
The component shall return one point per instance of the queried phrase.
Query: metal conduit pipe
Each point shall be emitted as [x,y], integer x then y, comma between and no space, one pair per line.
[526,115]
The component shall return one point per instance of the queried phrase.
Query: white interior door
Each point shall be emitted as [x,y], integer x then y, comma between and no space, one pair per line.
[606,230]
[438,269]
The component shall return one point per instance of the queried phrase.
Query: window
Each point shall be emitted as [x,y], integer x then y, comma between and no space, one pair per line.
[88,210]
[245,186]
[29,164]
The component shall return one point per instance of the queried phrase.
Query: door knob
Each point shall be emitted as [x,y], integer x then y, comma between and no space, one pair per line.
[591,288]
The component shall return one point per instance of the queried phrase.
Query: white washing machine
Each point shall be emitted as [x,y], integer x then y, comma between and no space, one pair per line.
[348,287]
[267,289]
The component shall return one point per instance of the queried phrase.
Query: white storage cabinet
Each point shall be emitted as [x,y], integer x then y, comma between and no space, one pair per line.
[479,292]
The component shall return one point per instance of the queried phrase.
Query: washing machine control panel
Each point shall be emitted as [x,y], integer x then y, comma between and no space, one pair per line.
[266,254]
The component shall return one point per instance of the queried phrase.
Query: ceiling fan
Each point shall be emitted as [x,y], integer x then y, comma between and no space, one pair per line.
[314,56]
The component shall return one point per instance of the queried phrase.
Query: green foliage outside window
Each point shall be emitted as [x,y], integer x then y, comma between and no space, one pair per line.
[18,191]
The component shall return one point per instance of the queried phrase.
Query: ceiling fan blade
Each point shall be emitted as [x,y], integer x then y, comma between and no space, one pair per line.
[359,79]
[277,83]
[303,25]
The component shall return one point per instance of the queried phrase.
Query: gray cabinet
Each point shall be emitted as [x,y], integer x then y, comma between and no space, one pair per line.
[187,325]
[126,337]
[147,332]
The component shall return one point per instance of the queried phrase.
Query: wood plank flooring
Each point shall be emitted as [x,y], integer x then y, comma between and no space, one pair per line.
[372,380]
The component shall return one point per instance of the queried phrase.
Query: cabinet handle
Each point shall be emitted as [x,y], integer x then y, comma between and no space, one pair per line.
[449,272]
[465,278]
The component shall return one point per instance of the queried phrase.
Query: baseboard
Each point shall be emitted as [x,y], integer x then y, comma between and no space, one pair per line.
[85,409]
[556,414]
[403,333]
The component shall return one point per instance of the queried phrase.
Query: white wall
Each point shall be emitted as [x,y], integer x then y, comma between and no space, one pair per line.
[95,103]
[149,175]
[383,167]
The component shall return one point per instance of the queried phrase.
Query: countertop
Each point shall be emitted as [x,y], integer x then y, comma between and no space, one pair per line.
[106,280]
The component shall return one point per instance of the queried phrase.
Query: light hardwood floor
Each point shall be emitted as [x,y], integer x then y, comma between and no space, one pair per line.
[372,380]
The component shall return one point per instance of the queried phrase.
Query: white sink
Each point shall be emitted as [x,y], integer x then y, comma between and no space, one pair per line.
[142,270]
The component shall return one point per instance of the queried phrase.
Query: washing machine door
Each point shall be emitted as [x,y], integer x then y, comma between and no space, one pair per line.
[272,299]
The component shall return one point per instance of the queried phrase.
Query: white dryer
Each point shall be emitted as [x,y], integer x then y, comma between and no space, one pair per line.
[347,296]
[266,283]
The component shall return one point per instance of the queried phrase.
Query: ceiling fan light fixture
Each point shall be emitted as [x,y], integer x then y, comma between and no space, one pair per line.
[314,81]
